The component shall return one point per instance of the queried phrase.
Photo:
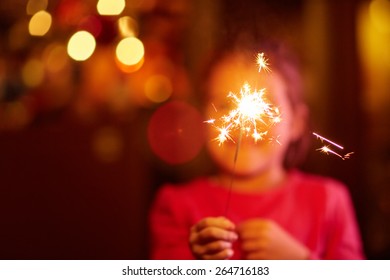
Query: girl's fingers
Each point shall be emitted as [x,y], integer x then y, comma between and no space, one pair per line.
[211,238]
[220,222]
[212,233]
[222,255]
[218,234]
[211,248]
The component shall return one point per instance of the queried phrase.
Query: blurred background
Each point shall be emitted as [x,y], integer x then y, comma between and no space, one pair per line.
[86,113]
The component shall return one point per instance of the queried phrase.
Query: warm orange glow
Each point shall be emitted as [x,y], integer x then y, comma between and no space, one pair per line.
[130,51]
[107,144]
[18,35]
[110,7]
[81,45]
[129,68]
[33,73]
[373,43]
[158,88]
[145,5]
[34,6]
[380,15]
[55,58]
[15,116]
[40,23]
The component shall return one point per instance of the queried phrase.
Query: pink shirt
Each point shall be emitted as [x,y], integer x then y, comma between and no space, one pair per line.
[317,211]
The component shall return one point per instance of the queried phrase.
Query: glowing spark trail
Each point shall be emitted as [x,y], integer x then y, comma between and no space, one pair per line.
[327,150]
[327,140]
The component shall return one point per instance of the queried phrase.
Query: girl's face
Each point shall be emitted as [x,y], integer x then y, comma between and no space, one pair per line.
[253,157]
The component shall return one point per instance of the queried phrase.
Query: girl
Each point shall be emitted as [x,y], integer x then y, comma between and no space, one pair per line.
[257,206]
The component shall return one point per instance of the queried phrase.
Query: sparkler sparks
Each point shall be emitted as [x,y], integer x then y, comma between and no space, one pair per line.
[327,150]
[252,115]
[262,62]
[252,111]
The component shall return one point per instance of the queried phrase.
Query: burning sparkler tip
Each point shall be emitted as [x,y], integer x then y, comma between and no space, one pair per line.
[327,150]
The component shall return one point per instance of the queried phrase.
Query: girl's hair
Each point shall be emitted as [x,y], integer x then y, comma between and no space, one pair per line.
[281,60]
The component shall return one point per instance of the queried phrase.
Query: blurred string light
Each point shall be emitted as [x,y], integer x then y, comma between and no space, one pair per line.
[176,132]
[72,33]
[128,27]
[130,54]
[130,50]
[110,7]
[81,45]
[40,23]
[34,6]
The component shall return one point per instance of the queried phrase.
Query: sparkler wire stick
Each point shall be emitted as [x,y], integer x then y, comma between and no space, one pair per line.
[234,171]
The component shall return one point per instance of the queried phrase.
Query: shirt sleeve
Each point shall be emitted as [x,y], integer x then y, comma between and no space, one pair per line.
[343,238]
[169,227]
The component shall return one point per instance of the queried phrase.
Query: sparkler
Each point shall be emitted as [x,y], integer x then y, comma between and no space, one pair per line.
[252,115]
[252,111]
[327,150]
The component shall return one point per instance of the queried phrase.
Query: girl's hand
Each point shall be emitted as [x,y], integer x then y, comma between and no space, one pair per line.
[265,239]
[212,239]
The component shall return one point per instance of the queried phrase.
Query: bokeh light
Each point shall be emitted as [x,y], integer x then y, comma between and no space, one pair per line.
[130,51]
[34,6]
[110,7]
[55,57]
[40,23]
[128,27]
[81,45]
[176,132]
[129,68]
[33,73]
[158,88]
